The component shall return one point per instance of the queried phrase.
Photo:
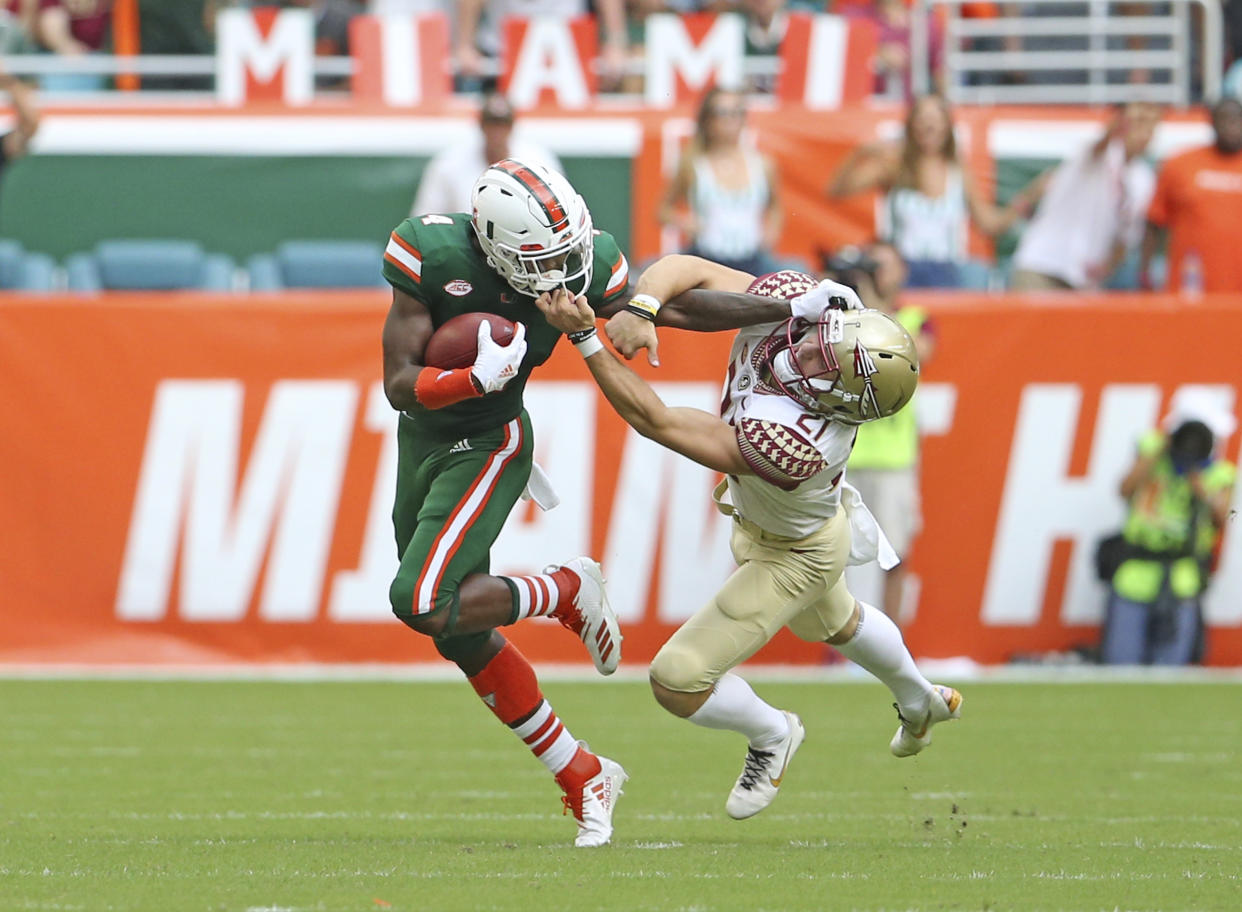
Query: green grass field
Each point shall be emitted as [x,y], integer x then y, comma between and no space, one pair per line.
[133,795]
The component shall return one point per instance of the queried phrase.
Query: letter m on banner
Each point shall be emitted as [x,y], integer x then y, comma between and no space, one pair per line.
[265,54]
[686,54]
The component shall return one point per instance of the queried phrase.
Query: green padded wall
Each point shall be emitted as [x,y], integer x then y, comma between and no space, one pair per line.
[241,205]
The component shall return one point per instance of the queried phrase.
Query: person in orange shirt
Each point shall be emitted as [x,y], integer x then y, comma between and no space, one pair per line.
[1198,204]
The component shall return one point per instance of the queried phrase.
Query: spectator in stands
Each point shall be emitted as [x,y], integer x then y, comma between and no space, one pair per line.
[175,27]
[1091,208]
[479,24]
[891,66]
[450,176]
[15,143]
[724,196]
[73,27]
[1178,491]
[1198,204]
[884,464]
[331,23]
[929,198]
[766,22]
[332,19]
[407,7]
[17,25]
[636,13]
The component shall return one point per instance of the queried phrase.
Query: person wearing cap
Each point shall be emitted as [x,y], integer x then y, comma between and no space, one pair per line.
[1179,492]
[449,176]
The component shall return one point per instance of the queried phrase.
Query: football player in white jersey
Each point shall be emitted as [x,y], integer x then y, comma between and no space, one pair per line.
[798,384]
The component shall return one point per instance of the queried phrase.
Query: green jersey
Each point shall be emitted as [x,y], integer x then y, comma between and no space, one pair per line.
[435,259]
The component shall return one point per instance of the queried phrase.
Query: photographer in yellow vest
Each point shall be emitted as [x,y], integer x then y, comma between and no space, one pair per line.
[1179,491]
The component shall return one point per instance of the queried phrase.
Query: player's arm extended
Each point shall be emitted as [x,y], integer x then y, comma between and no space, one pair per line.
[703,296]
[689,292]
[700,295]
[693,433]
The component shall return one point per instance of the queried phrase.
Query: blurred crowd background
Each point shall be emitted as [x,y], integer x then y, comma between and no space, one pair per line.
[1108,215]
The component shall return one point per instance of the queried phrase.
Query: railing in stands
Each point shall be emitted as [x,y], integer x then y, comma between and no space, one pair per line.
[1059,52]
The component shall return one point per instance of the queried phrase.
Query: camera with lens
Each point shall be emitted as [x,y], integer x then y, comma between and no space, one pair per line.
[849,266]
[1190,447]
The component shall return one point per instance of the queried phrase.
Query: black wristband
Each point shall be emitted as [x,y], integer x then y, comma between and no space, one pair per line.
[645,314]
[581,335]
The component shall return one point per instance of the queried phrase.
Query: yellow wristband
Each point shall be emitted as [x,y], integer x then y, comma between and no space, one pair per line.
[646,303]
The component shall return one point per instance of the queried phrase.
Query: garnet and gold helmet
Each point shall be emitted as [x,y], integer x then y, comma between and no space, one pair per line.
[872,366]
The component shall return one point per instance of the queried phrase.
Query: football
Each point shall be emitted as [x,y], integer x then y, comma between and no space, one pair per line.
[455,343]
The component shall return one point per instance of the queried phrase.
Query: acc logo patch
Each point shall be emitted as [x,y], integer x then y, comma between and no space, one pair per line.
[459,288]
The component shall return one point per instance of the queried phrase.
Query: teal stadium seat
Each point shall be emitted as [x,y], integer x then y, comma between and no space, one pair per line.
[976,275]
[318,264]
[21,270]
[149,265]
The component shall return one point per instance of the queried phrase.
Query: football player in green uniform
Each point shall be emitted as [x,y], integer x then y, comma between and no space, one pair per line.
[465,451]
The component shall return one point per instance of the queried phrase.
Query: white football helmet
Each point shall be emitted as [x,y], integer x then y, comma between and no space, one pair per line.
[533,227]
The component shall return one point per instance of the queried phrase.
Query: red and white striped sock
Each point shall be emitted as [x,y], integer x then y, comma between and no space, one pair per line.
[508,686]
[542,595]
[548,738]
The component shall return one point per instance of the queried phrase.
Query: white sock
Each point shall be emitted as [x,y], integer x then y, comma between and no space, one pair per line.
[548,738]
[537,596]
[879,648]
[734,706]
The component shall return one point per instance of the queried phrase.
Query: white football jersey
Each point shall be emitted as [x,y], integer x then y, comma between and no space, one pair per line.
[798,456]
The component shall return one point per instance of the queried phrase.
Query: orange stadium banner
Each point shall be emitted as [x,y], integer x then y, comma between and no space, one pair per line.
[206,479]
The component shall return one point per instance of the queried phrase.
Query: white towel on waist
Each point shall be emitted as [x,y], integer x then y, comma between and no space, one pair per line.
[539,489]
[867,540]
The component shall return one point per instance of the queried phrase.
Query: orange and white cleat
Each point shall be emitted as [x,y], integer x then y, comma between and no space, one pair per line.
[913,735]
[593,804]
[590,616]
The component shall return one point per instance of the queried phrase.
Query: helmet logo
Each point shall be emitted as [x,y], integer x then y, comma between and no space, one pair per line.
[864,366]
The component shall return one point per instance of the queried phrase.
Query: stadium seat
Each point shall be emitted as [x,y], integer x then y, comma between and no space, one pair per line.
[22,271]
[318,264]
[148,265]
[976,275]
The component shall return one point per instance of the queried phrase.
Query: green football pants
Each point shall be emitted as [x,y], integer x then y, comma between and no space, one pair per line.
[452,500]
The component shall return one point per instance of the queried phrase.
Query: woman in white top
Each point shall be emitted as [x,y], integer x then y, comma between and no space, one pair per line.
[929,198]
[723,196]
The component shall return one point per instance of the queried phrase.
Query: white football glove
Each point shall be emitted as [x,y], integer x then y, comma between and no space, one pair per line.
[827,295]
[495,365]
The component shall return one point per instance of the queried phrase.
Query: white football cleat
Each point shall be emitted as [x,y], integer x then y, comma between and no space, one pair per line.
[592,807]
[762,774]
[915,734]
[591,617]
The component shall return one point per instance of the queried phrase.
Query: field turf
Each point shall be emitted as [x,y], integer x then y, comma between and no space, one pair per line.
[133,795]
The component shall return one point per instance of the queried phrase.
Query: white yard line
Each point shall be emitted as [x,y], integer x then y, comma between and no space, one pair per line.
[950,670]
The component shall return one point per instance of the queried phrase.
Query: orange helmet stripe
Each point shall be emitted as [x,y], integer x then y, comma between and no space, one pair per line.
[536,185]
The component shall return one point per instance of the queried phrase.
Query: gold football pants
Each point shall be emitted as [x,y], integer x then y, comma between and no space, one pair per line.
[794,583]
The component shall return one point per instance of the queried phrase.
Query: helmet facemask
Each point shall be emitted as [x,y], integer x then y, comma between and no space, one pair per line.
[565,263]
